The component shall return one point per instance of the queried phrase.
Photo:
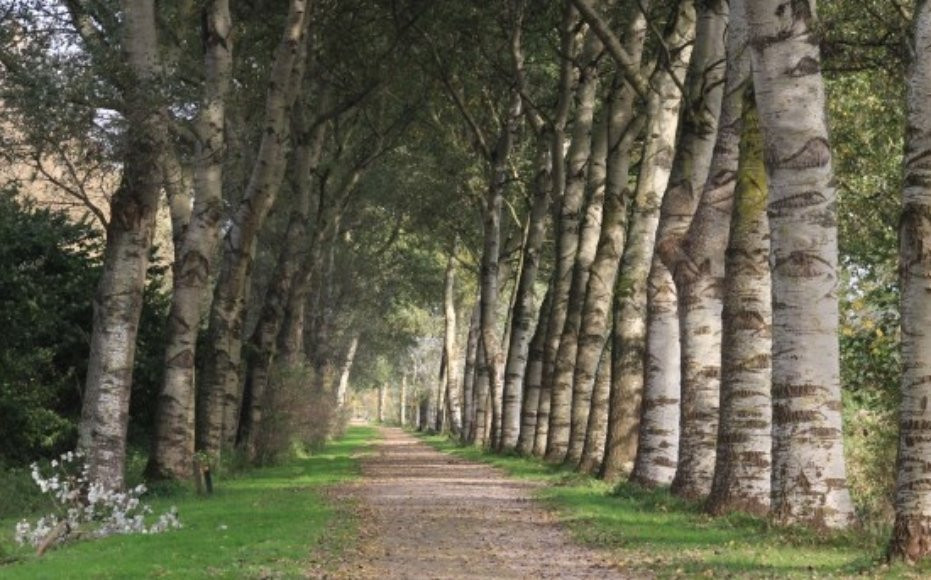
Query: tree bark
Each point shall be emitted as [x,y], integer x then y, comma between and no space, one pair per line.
[561,391]
[693,378]
[402,419]
[574,255]
[622,129]
[222,392]
[522,317]
[118,301]
[469,375]
[173,442]
[533,377]
[630,329]
[449,344]
[345,369]
[596,429]
[809,475]
[743,463]
[911,534]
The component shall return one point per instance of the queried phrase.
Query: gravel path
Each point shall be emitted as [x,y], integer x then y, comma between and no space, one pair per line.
[426,514]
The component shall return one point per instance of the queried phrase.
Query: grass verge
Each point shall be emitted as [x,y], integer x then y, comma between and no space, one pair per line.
[265,523]
[652,532]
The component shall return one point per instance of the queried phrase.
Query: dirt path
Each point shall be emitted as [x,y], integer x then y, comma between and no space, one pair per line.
[426,514]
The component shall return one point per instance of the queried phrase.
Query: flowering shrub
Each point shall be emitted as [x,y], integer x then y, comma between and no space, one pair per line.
[87,509]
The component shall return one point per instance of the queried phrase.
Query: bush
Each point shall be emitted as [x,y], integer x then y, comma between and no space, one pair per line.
[298,417]
[49,267]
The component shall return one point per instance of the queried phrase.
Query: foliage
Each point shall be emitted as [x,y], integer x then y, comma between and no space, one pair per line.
[51,266]
[297,418]
[86,509]
[258,525]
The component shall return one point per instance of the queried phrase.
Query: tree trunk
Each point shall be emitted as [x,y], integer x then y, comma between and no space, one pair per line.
[222,392]
[690,171]
[118,301]
[533,378]
[561,391]
[630,329]
[522,317]
[570,262]
[402,404]
[911,535]
[439,402]
[809,476]
[468,377]
[346,368]
[382,402]
[173,442]
[596,430]
[451,386]
[697,260]
[595,308]
[742,468]
[704,83]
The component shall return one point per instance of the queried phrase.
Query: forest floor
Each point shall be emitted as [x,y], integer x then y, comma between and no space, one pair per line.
[427,514]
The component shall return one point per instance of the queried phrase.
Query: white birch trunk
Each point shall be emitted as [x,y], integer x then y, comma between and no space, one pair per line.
[911,534]
[809,475]
[743,462]
[567,252]
[118,301]
[173,443]
[222,385]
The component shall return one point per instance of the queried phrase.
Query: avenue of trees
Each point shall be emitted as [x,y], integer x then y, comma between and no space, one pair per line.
[680,242]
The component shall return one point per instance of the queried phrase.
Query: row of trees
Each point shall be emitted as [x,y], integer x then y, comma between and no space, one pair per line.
[712,267]
[629,208]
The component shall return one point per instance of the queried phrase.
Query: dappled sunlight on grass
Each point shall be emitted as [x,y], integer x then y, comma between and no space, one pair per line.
[264,522]
[654,532]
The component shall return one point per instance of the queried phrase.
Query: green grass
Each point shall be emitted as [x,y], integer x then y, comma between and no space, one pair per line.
[651,531]
[263,523]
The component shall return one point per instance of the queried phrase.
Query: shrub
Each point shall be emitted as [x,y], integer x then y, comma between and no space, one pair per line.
[86,509]
[297,415]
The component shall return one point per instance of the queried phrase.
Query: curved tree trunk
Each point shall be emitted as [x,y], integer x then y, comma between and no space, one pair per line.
[596,429]
[911,535]
[698,262]
[567,200]
[809,475]
[533,378]
[742,468]
[596,304]
[522,317]
[659,420]
[118,301]
[222,392]
[173,443]
[704,83]
[571,265]
[561,391]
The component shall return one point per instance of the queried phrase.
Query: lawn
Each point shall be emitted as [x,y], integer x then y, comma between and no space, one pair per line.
[263,523]
[655,533]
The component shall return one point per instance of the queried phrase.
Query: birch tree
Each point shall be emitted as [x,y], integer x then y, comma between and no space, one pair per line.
[912,529]
[222,393]
[173,444]
[809,475]
[118,301]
